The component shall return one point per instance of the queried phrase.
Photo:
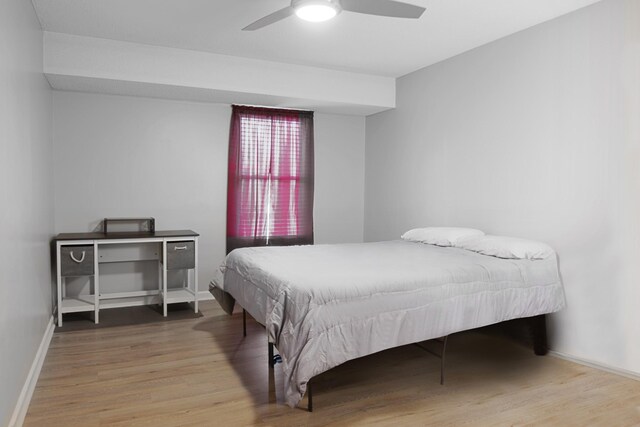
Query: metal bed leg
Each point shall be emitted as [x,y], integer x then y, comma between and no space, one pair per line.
[539,332]
[309,397]
[441,355]
[244,322]
[271,363]
[444,349]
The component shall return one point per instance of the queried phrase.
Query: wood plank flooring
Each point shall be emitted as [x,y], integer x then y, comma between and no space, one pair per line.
[200,371]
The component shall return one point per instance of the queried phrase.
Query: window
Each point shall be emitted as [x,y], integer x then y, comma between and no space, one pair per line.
[270,183]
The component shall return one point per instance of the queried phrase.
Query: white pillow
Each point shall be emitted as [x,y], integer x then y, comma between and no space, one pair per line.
[507,247]
[441,236]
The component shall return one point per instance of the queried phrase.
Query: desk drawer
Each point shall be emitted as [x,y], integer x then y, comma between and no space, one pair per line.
[76,260]
[181,255]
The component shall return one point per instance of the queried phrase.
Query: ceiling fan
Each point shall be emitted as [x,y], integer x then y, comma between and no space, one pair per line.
[322,10]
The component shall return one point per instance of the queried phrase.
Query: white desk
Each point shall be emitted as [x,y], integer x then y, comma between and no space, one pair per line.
[80,254]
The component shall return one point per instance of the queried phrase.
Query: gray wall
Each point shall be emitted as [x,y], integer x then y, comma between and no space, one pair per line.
[26,198]
[128,156]
[535,135]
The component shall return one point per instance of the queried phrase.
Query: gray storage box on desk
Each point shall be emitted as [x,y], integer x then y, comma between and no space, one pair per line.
[181,255]
[76,261]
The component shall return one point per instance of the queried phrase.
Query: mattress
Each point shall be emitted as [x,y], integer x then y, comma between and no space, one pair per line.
[323,305]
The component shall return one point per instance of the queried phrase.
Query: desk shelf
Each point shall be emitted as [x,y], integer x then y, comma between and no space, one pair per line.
[133,300]
[180,295]
[78,304]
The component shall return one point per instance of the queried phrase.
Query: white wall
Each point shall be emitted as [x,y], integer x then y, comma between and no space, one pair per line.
[26,198]
[535,135]
[339,181]
[128,156]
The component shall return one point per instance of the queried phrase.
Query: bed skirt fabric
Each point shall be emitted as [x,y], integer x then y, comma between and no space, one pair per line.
[323,305]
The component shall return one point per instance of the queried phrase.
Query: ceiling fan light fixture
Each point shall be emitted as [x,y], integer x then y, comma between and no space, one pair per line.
[316,10]
[323,10]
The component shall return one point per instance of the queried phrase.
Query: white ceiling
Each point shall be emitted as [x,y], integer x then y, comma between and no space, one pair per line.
[351,42]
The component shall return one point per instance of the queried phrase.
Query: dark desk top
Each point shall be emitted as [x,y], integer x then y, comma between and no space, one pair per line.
[125,235]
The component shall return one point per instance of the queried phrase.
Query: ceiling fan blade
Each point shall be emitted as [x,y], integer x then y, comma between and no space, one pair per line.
[391,8]
[270,19]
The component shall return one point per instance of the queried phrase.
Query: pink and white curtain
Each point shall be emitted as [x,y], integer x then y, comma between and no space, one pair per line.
[270,182]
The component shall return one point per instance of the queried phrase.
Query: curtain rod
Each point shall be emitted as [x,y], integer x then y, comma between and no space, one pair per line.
[272,107]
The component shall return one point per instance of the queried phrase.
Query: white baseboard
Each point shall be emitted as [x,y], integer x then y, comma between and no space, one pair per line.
[596,365]
[205,296]
[20,411]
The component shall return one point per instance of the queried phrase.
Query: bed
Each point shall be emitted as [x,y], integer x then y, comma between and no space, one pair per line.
[323,305]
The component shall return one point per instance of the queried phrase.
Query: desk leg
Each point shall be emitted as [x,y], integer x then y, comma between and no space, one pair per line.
[96,283]
[164,278]
[195,277]
[160,274]
[59,280]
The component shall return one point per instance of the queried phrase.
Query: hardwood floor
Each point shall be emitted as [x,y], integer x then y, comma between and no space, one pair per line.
[200,371]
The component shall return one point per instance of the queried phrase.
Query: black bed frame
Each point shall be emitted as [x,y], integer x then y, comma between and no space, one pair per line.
[537,327]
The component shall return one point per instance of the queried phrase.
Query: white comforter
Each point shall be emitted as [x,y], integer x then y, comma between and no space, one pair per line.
[325,304]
